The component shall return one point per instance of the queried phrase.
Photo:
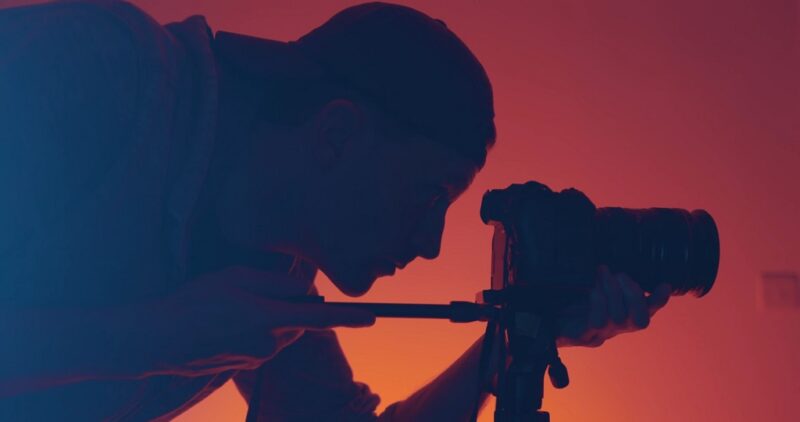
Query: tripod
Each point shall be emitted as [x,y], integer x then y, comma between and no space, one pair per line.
[526,352]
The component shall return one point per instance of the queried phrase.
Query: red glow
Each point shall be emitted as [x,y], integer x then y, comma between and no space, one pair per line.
[637,103]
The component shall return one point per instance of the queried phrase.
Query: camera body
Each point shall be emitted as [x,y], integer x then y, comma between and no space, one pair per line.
[547,245]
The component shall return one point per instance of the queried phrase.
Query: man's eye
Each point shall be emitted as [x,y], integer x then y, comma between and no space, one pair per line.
[431,194]
[439,196]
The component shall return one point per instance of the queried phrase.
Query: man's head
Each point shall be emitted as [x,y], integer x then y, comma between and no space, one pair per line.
[391,117]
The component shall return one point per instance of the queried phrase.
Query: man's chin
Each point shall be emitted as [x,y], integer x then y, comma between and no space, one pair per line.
[354,285]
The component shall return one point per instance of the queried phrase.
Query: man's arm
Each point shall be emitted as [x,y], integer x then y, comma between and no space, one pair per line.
[45,348]
[223,321]
[449,397]
[310,380]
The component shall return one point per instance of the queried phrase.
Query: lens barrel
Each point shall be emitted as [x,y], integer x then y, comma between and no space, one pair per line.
[659,245]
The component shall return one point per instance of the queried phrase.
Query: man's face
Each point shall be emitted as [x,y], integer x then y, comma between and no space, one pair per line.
[381,205]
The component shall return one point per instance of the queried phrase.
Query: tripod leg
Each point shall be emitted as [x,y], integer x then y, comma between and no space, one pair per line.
[531,348]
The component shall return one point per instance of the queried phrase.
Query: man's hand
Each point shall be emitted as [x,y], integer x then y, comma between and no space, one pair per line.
[616,305]
[235,319]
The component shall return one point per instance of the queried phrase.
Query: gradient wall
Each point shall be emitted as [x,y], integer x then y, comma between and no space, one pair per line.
[638,103]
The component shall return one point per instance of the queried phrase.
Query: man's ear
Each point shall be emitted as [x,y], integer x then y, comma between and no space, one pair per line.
[337,125]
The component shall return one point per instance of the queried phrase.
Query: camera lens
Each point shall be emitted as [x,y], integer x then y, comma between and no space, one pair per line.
[659,245]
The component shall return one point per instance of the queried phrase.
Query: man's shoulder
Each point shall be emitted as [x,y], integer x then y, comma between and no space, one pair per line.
[88,111]
[78,79]
[104,14]
[76,53]
[100,35]
[53,13]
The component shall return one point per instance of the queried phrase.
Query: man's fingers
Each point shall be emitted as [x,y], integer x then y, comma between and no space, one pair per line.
[636,301]
[572,327]
[598,308]
[659,298]
[614,296]
[317,315]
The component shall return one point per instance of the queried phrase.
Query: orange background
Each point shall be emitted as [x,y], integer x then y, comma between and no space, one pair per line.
[638,103]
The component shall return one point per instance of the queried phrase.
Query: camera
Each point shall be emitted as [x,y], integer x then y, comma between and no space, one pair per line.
[549,244]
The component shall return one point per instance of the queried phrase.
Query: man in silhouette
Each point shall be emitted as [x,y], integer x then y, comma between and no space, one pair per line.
[165,188]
